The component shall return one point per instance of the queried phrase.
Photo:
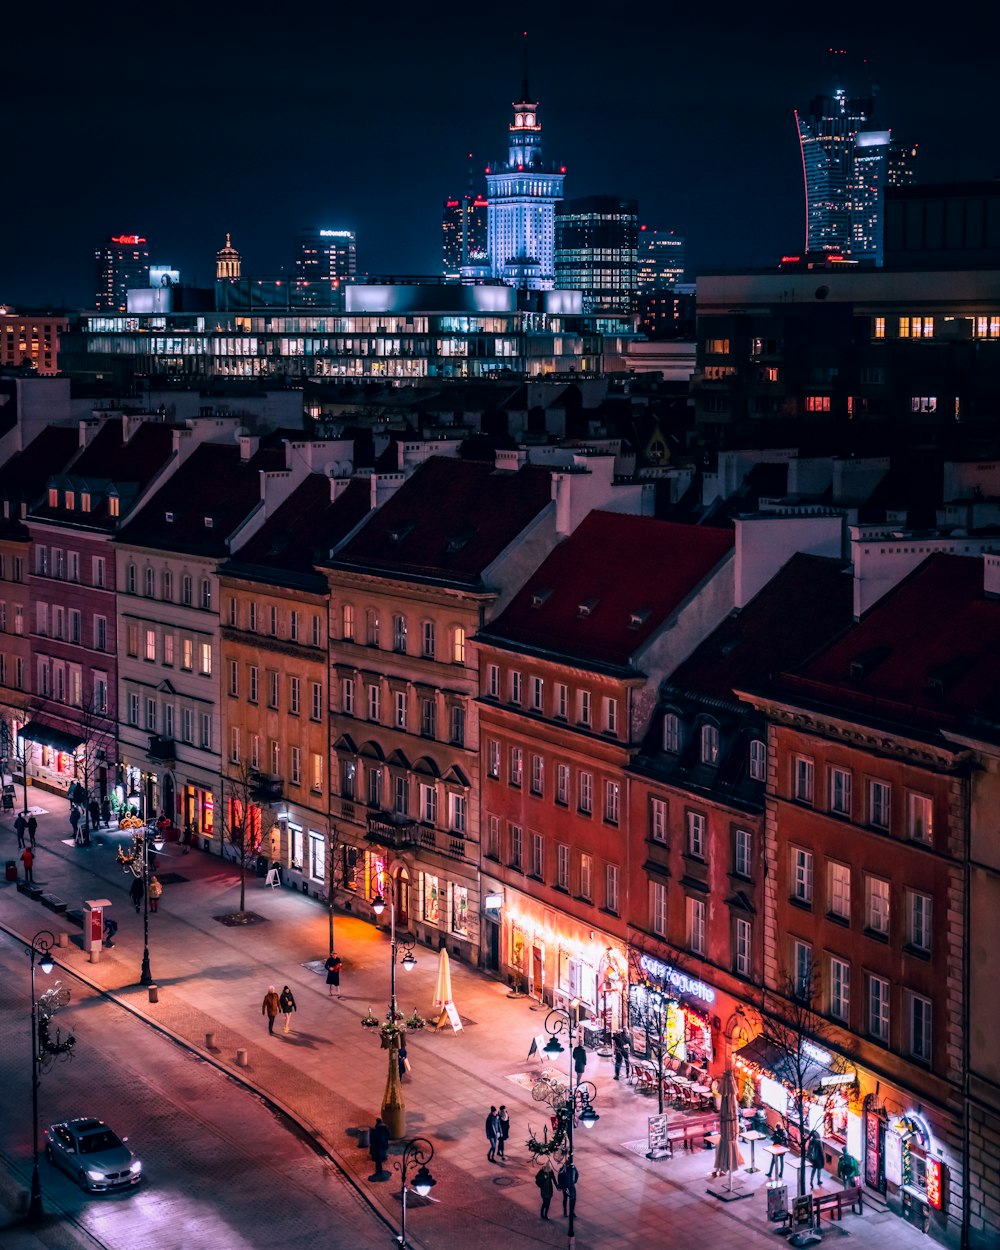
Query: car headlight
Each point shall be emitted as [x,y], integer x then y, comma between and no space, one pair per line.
[135,1168]
[94,1175]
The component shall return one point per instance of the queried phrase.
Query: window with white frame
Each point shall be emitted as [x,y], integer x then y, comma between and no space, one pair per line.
[428,648]
[611,716]
[374,775]
[658,819]
[347,696]
[97,571]
[758,760]
[206,594]
[316,709]
[658,908]
[919,817]
[802,779]
[562,867]
[840,989]
[695,908]
[918,922]
[186,590]
[273,688]
[611,878]
[516,860]
[151,715]
[515,686]
[561,700]
[562,784]
[878,804]
[234,678]
[187,654]
[493,837]
[432,899]
[205,659]
[840,792]
[585,708]
[585,792]
[458,645]
[234,744]
[802,967]
[840,890]
[537,694]
[317,771]
[346,622]
[877,906]
[696,835]
[294,695]
[255,750]
[587,877]
[399,634]
[253,615]
[295,764]
[878,1008]
[537,856]
[516,773]
[168,720]
[537,774]
[492,758]
[399,708]
[401,795]
[671,733]
[458,812]
[743,853]
[371,627]
[709,744]
[187,725]
[612,802]
[742,949]
[374,701]
[150,648]
[133,709]
[456,724]
[493,681]
[169,643]
[919,1021]
[205,726]
[802,875]
[428,803]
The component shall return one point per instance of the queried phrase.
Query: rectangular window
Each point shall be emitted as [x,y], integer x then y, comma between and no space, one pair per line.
[658,908]
[427,640]
[316,701]
[611,716]
[658,820]
[457,813]
[920,1027]
[273,689]
[428,804]
[187,590]
[879,328]
[611,887]
[233,608]
[399,709]
[205,659]
[374,702]
[371,627]
[255,750]
[432,899]
[918,921]
[710,744]
[515,686]
[840,891]
[234,678]
[562,700]
[537,774]
[877,906]
[586,877]
[878,804]
[133,709]
[696,835]
[803,779]
[612,802]
[920,818]
[316,763]
[151,715]
[585,708]
[457,725]
[293,625]
[671,733]
[399,634]
[802,969]
[516,766]
[234,744]
[878,1008]
[585,793]
[273,631]
[187,654]
[168,650]
[493,758]
[168,720]
[401,796]
[187,725]
[493,681]
[460,910]
[743,853]
[537,694]
[205,724]
[840,989]
[840,791]
[347,696]
[374,776]
[294,695]
[742,947]
[562,784]
[206,595]
[254,678]
[253,616]
[516,847]
[73,565]
[562,866]
[97,571]
[428,718]
[537,856]
[802,876]
[696,926]
[458,645]
[493,837]
[75,624]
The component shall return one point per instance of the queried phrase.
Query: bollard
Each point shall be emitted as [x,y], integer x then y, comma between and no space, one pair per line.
[154,993]
[95,954]
[241,1059]
[64,939]
[210,1041]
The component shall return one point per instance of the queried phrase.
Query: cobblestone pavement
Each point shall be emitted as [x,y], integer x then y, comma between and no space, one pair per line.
[329,1073]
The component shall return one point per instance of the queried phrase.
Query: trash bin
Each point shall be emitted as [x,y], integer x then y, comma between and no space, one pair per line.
[11,870]
[261,865]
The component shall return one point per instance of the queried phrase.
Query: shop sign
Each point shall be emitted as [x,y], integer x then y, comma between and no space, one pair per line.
[837,1078]
[934,1183]
[493,902]
[677,980]
[893,1157]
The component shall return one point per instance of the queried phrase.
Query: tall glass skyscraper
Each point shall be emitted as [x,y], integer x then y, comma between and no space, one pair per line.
[522,194]
[597,251]
[122,265]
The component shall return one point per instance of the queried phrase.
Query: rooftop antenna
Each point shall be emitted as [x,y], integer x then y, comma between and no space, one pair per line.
[525,95]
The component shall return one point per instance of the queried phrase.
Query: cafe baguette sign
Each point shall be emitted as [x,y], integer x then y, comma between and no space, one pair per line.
[677,980]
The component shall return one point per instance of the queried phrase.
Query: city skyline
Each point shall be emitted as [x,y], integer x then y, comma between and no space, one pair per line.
[703,137]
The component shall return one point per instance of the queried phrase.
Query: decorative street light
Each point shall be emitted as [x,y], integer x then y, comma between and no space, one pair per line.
[609,981]
[416,1151]
[42,1046]
[578,1106]
[408,961]
[137,863]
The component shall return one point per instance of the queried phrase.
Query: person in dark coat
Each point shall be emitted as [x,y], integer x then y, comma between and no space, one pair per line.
[270,1007]
[816,1159]
[106,812]
[135,894]
[401,1059]
[74,820]
[504,1119]
[333,966]
[20,826]
[778,1138]
[546,1186]
[492,1133]
[622,1048]
[287,1004]
[378,1147]
[95,813]
[568,1176]
[32,829]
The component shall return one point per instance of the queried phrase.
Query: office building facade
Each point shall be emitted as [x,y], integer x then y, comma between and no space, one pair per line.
[661,260]
[597,251]
[464,238]
[322,254]
[122,263]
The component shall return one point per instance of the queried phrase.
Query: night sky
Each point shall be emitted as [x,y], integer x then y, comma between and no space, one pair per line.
[183,121]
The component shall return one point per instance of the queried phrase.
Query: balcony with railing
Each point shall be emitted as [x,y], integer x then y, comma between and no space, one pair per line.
[265,787]
[397,833]
[161,750]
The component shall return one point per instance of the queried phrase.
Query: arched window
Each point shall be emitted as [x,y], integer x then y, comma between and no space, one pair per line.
[458,645]
[709,743]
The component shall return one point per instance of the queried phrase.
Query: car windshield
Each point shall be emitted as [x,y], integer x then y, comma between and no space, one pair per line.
[94,1143]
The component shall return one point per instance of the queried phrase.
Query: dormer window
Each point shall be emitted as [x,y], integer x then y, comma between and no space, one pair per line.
[541,596]
[710,744]
[637,619]
[85,501]
[671,733]
[587,607]
[53,497]
[168,517]
[69,500]
[209,522]
[113,505]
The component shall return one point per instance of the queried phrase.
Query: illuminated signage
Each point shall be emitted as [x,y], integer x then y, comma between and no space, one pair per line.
[678,980]
[127,238]
[493,902]
[934,1183]
[336,234]
[839,1078]
[816,1054]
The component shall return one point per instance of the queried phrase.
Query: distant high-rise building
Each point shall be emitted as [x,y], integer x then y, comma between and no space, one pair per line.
[597,249]
[902,166]
[464,234]
[122,263]
[326,254]
[227,261]
[661,259]
[522,193]
[847,164]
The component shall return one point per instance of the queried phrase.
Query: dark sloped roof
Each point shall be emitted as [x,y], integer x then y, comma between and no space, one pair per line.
[450,520]
[213,482]
[25,474]
[806,604]
[604,591]
[925,653]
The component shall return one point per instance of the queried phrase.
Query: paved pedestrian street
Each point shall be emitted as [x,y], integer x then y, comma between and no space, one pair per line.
[329,1073]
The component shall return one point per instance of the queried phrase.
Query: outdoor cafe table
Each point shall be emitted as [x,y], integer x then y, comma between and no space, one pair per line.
[779,1152]
[753,1137]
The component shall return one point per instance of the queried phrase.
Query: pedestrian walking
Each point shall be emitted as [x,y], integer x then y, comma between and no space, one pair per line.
[95,813]
[816,1159]
[333,966]
[106,812]
[778,1138]
[847,1169]
[32,829]
[504,1119]
[188,835]
[568,1176]
[20,826]
[492,1133]
[155,890]
[287,1005]
[401,1059]
[110,929]
[579,1061]
[270,1006]
[378,1147]
[74,820]
[546,1183]
[28,859]
[623,1049]
[135,894]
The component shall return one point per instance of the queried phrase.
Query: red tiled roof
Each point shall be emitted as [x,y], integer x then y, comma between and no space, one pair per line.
[927,652]
[607,588]
[450,520]
[808,602]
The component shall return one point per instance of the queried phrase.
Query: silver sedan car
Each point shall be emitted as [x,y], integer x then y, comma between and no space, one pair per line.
[92,1154]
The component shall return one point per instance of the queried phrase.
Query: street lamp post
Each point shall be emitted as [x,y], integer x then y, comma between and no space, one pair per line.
[41,946]
[137,863]
[393,1105]
[579,1104]
[416,1151]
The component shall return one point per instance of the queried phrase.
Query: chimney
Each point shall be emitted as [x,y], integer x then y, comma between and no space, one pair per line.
[248,446]
[991,574]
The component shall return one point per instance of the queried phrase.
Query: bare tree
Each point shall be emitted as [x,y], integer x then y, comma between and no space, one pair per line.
[23,708]
[647,1010]
[244,818]
[97,732]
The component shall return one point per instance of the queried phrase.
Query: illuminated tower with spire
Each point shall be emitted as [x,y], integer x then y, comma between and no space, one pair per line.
[227,261]
[522,193]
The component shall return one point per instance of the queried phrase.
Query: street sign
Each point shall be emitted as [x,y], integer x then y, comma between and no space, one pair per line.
[658,1142]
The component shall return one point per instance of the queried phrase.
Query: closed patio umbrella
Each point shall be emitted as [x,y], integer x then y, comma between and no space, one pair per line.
[442,991]
[727,1153]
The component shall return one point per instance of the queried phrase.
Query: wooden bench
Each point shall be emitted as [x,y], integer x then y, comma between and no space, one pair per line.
[834,1203]
[53,904]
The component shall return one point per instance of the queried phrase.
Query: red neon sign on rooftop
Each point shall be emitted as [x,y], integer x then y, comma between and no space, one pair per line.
[127,238]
